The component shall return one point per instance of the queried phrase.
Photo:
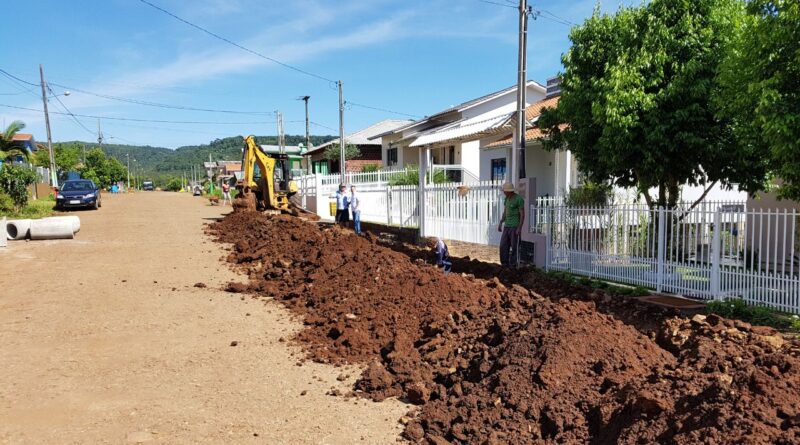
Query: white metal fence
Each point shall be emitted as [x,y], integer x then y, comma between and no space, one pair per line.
[392,206]
[464,212]
[714,251]
[382,176]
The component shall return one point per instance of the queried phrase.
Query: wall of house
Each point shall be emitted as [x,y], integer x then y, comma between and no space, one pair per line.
[486,156]
[471,157]
[504,104]
[541,165]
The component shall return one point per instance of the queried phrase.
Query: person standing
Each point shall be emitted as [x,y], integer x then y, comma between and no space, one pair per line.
[511,226]
[355,203]
[342,207]
[226,193]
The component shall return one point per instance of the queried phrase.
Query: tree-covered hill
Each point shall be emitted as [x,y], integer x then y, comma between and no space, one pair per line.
[159,163]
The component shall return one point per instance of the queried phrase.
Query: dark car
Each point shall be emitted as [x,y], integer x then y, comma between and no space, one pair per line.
[78,193]
[148,186]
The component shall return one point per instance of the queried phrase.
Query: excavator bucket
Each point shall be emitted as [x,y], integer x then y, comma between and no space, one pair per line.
[245,201]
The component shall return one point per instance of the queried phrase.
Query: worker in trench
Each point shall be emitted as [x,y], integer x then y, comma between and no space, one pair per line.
[442,255]
[511,226]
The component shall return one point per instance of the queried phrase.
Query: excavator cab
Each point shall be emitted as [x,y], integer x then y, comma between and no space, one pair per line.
[266,178]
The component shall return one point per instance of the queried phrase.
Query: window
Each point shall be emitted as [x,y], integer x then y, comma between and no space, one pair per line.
[498,169]
[391,156]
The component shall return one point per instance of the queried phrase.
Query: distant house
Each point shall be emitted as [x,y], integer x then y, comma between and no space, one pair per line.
[368,142]
[453,137]
[295,153]
[26,141]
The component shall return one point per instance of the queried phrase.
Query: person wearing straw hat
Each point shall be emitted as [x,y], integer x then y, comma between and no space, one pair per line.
[511,226]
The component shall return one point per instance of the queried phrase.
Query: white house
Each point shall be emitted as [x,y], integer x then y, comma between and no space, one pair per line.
[452,137]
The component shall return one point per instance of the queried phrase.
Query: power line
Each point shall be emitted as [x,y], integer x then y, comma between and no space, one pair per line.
[156,104]
[498,4]
[536,13]
[380,109]
[7,74]
[323,126]
[143,120]
[217,36]
[68,111]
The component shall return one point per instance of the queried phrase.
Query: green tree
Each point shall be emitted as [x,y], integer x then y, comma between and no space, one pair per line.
[333,152]
[67,156]
[14,182]
[636,95]
[102,170]
[8,147]
[174,184]
[760,92]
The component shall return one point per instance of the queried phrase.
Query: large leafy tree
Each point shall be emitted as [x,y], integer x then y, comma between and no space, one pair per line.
[761,87]
[67,156]
[636,95]
[103,170]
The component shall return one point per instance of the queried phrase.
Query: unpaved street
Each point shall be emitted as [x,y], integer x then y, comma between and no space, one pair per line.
[105,339]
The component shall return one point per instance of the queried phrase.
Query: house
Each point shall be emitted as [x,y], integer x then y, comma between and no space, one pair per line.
[555,171]
[26,141]
[368,142]
[295,154]
[452,138]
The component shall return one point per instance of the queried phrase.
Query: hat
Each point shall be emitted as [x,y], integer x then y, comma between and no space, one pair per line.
[508,187]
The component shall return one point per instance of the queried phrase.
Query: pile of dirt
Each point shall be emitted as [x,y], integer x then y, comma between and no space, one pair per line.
[490,361]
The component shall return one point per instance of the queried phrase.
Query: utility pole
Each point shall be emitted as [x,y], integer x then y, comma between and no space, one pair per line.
[517,167]
[128,155]
[281,141]
[308,137]
[53,174]
[342,161]
[100,137]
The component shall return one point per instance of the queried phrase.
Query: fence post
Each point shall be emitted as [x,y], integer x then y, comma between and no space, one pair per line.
[388,205]
[662,248]
[716,256]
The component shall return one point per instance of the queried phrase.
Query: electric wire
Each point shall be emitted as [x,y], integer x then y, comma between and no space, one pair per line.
[69,112]
[156,104]
[354,104]
[217,36]
[145,120]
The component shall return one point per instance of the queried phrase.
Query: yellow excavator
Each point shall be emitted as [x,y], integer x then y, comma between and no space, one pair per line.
[266,183]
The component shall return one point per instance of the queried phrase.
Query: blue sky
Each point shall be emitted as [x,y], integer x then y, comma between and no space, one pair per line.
[414,57]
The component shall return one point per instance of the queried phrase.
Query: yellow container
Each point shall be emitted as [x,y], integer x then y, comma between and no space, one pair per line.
[332,205]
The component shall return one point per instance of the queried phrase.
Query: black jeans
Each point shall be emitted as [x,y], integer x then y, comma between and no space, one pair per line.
[509,246]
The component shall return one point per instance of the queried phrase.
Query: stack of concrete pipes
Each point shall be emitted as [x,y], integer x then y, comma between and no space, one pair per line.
[55,227]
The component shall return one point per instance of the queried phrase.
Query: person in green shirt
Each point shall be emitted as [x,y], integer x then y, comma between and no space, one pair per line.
[513,219]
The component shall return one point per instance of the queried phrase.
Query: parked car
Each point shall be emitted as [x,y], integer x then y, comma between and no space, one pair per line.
[148,186]
[78,193]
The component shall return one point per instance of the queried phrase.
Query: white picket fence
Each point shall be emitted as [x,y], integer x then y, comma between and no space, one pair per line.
[382,176]
[712,252]
[391,206]
[464,212]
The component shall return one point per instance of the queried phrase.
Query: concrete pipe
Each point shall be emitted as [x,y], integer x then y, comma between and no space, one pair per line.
[76,222]
[17,229]
[49,229]
[3,239]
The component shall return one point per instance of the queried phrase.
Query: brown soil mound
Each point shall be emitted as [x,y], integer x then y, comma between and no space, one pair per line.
[497,363]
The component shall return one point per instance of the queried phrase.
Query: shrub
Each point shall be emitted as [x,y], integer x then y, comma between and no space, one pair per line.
[14,182]
[370,168]
[589,194]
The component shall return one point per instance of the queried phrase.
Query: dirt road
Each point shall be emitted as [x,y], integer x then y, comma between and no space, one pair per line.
[105,339]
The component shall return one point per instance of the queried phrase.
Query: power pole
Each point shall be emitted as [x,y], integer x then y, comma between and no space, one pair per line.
[308,137]
[100,137]
[342,161]
[53,175]
[517,167]
[128,155]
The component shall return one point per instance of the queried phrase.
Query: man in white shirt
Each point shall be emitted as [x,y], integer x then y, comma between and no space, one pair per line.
[342,212]
[355,203]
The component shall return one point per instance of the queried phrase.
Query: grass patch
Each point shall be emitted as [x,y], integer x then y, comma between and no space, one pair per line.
[737,308]
[34,209]
[611,288]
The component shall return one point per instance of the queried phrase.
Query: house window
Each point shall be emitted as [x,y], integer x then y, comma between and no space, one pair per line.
[498,169]
[391,156]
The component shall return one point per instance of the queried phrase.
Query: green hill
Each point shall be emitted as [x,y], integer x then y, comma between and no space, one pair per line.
[159,163]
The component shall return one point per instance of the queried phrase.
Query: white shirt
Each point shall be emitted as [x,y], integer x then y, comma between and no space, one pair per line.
[354,202]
